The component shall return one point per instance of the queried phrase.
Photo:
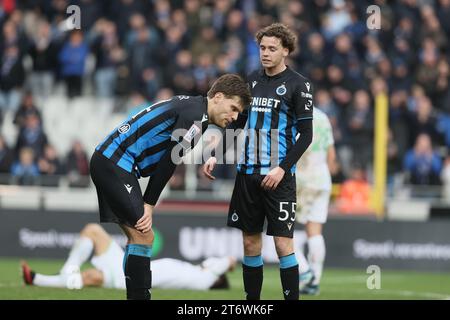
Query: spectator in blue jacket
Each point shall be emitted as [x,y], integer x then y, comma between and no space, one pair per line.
[423,164]
[72,58]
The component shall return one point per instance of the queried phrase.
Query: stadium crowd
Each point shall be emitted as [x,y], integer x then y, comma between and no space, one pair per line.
[147,49]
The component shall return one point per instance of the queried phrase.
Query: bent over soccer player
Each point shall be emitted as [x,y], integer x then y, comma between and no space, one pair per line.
[146,145]
[265,188]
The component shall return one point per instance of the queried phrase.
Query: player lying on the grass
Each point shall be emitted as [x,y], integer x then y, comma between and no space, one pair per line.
[108,273]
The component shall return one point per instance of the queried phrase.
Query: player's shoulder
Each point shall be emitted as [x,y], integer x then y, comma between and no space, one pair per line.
[191,103]
[297,78]
[190,107]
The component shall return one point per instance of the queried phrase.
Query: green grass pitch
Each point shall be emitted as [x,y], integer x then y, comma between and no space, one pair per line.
[337,284]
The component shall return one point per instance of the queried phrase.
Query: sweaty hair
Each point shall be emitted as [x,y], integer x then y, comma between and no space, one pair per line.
[280,31]
[231,85]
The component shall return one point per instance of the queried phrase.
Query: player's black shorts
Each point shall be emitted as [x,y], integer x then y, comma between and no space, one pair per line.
[251,205]
[119,194]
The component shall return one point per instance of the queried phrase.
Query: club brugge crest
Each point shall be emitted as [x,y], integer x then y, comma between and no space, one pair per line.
[281,90]
[124,128]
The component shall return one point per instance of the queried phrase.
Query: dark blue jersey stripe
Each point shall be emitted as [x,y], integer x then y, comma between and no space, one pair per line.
[147,121]
[154,136]
[114,134]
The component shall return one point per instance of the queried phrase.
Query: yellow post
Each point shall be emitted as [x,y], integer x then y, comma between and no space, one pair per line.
[380,153]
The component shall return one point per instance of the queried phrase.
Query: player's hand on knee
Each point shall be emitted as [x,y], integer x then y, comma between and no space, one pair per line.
[209,167]
[272,179]
[144,224]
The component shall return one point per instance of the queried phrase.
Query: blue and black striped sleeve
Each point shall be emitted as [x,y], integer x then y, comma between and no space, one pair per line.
[303,109]
[166,165]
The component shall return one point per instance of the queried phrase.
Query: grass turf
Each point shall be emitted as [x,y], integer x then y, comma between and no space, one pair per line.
[337,284]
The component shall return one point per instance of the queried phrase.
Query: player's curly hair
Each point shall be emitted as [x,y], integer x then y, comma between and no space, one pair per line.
[280,31]
[231,85]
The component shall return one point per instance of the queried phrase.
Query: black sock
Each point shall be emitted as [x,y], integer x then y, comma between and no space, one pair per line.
[290,282]
[138,277]
[253,279]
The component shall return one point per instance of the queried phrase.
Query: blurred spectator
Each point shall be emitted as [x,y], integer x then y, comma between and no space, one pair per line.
[12,36]
[26,107]
[43,52]
[182,74]
[90,12]
[12,77]
[360,121]
[6,160]
[32,135]
[144,61]
[50,167]
[314,58]
[77,166]
[354,195]
[346,58]
[324,102]
[104,47]
[207,42]
[162,14]
[427,71]
[336,19]
[443,12]
[443,126]
[400,79]
[204,73]
[423,120]
[441,99]
[25,171]
[394,161]
[72,58]
[422,164]
[398,121]
[122,10]
[339,86]
[431,28]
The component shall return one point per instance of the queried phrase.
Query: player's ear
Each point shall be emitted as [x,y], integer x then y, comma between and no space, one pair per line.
[219,95]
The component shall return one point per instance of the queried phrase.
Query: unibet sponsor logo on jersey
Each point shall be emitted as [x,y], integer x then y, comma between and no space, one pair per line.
[262,104]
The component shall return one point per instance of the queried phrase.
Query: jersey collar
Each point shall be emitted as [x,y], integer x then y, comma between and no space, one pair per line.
[262,73]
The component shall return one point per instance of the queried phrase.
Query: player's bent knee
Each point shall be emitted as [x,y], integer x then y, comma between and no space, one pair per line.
[252,244]
[284,246]
[138,237]
[91,229]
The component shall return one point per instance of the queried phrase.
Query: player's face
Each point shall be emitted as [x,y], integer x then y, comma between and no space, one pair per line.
[226,109]
[271,52]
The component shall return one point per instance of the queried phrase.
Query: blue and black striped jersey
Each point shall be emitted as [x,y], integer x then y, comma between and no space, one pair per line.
[138,144]
[278,103]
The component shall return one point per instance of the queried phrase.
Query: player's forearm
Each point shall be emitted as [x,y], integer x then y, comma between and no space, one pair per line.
[331,156]
[158,181]
[305,129]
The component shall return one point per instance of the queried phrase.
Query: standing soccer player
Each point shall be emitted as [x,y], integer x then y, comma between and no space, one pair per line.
[278,130]
[146,145]
[313,197]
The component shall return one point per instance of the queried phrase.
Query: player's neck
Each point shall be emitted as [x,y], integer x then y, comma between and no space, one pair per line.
[275,70]
[209,110]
